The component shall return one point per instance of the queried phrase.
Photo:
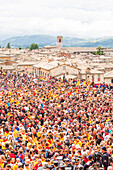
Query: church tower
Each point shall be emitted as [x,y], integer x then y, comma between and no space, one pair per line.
[59,41]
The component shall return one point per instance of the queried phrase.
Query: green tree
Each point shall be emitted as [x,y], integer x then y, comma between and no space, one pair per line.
[33,46]
[95,53]
[100,51]
[8,45]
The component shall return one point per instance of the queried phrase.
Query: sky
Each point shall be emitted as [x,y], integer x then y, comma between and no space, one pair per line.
[75,18]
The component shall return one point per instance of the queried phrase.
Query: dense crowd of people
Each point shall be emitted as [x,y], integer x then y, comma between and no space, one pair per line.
[49,123]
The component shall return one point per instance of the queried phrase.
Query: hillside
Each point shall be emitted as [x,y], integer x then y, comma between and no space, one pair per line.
[43,40]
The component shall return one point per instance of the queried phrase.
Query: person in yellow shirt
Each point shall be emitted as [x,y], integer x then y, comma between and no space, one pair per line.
[30,143]
[16,164]
[2,160]
[15,131]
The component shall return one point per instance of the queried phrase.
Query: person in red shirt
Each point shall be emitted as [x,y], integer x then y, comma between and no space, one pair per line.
[39,164]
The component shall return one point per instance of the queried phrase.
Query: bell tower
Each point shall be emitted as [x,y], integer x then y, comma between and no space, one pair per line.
[59,41]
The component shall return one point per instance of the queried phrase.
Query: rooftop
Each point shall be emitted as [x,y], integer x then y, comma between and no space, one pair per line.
[46,65]
[26,63]
[109,74]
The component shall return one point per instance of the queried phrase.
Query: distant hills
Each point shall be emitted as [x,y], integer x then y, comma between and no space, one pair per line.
[43,40]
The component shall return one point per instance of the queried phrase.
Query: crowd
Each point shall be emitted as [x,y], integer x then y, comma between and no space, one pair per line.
[49,123]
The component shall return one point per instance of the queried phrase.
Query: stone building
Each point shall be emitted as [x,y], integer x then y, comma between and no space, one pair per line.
[92,75]
[108,77]
[59,41]
[25,66]
[55,69]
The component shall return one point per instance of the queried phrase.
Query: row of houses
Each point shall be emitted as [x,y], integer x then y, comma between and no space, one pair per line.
[58,61]
[56,69]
